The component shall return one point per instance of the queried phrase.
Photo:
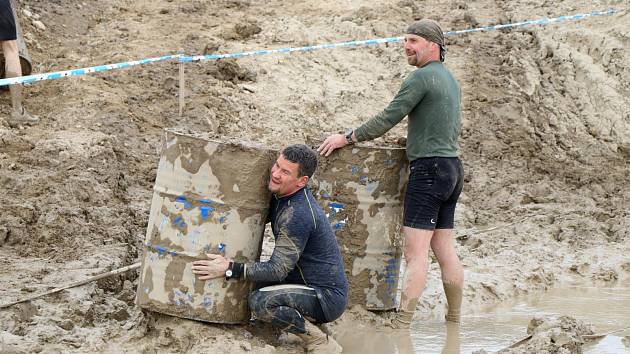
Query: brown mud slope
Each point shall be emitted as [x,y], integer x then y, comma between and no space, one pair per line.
[546,143]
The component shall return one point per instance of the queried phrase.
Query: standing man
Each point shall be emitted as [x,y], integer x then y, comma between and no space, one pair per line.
[305,266]
[430,96]
[8,38]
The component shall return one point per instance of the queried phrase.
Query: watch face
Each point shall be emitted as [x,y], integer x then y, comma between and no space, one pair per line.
[349,136]
[228,273]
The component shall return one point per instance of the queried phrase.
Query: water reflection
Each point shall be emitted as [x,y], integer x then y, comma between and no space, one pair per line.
[366,340]
[370,341]
[451,344]
[495,327]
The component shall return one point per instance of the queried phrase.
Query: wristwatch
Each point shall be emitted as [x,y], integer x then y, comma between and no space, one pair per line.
[349,133]
[229,272]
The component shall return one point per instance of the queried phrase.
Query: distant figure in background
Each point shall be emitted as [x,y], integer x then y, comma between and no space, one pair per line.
[8,38]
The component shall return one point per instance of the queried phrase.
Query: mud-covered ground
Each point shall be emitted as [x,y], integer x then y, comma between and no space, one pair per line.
[545,143]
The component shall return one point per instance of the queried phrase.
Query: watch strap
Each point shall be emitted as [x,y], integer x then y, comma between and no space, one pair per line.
[237,270]
[349,134]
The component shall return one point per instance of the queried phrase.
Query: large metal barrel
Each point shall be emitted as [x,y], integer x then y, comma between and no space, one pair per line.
[25,57]
[361,188]
[209,196]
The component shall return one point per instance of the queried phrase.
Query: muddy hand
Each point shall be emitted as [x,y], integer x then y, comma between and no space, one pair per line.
[214,267]
[331,143]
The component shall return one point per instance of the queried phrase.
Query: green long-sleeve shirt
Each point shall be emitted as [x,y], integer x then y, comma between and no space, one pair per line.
[430,96]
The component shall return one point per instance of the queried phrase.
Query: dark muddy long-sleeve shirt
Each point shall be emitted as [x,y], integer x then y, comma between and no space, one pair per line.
[306,252]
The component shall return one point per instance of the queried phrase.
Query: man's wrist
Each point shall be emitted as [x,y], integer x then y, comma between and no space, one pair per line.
[235,270]
[349,137]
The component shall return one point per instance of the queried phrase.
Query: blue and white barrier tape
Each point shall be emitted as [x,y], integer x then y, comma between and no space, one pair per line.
[542,21]
[291,50]
[83,71]
[183,58]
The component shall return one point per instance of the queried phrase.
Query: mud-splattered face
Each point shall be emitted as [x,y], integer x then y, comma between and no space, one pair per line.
[284,179]
[418,50]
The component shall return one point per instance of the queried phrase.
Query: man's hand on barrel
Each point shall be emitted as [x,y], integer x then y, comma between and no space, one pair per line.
[214,267]
[331,143]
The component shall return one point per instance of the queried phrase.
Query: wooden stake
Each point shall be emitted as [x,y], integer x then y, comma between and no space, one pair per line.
[77,283]
[181,84]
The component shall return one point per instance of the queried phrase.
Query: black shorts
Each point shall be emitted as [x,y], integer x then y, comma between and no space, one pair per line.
[434,186]
[7,22]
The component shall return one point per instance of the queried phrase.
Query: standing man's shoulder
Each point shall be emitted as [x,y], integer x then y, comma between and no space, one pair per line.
[419,75]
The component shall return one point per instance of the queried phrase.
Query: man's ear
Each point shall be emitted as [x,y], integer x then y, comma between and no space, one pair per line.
[302,181]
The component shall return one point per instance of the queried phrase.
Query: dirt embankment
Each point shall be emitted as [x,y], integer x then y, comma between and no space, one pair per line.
[545,141]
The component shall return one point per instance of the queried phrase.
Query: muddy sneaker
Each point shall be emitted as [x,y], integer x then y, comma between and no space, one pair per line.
[318,342]
[401,320]
[16,119]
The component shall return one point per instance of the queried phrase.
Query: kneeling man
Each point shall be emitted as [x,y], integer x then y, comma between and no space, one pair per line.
[306,268]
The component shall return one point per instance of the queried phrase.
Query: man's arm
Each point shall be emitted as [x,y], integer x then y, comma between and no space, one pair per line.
[283,259]
[409,95]
[292,238]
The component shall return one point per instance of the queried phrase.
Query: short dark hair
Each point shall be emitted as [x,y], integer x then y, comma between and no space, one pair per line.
[304,156]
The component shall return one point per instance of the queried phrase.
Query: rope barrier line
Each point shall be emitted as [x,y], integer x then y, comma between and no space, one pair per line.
[542,21]
[83,71]
[184,58]
[291,50]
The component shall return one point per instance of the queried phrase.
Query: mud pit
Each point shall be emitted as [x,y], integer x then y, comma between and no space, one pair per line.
[545,143]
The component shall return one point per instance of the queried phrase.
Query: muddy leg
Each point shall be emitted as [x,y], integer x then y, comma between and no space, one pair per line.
[13,69]
[417,257]
[452,271]
[414,279]
[19,116]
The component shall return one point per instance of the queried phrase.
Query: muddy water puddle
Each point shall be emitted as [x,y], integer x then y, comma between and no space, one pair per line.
[495,327]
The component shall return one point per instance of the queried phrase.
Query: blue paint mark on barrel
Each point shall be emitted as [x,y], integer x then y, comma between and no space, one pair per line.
[391,276]
[339,225]
[210,202]
[335,205]
[160,251]
[183,200]
[205,211]
[334,209]
[180,295]
[179,222]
